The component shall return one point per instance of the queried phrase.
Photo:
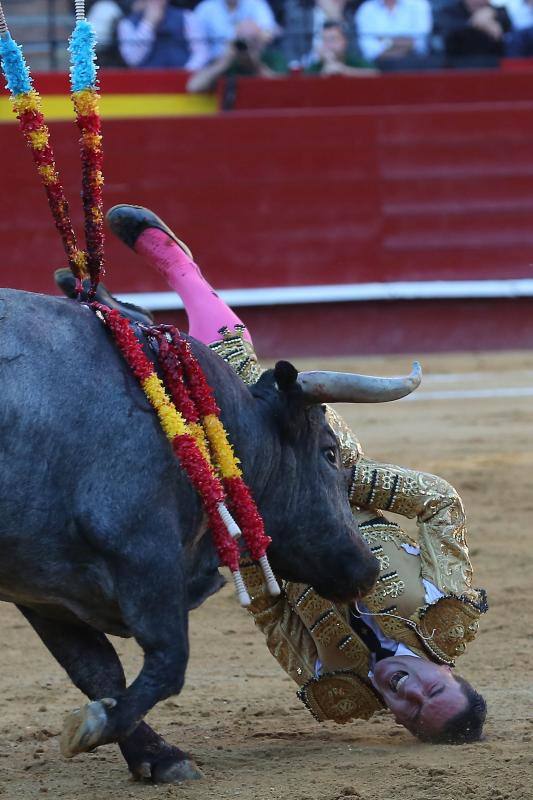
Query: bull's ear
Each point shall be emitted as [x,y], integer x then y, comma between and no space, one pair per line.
[285,376]
[280,389]
[291,397]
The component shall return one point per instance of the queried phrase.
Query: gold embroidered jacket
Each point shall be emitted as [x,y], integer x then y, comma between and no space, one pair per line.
[301,627]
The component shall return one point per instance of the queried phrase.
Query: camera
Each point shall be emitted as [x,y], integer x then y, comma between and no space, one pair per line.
[241,45]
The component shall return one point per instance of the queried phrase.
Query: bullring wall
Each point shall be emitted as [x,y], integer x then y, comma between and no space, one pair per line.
[356,201]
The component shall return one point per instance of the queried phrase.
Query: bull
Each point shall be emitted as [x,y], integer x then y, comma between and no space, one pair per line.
[101,532]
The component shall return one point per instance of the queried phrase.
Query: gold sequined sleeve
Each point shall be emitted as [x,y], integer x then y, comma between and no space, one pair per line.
[439,515]
[287,638]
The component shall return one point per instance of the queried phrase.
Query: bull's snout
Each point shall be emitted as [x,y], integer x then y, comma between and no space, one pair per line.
[369,575]
[362,577]
[352,575]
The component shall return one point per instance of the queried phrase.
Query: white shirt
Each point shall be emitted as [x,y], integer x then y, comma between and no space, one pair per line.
[432,594]
[377,24]
[397,648]
[103,15]
[521,13]
[217,22]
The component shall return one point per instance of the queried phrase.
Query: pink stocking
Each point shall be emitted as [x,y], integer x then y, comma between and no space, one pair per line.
[206,312]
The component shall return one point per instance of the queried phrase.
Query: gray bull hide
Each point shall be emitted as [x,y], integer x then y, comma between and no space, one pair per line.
[101,532]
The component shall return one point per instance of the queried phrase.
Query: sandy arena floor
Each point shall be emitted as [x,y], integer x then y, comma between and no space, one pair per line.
[472,423]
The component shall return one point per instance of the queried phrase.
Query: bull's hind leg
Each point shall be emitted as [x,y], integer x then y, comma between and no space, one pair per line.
[94,667]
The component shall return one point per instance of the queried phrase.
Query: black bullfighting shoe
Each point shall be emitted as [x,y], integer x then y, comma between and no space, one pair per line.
[66,281]
[128,222]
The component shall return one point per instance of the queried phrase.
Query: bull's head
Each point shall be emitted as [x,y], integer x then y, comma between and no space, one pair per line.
[314,534]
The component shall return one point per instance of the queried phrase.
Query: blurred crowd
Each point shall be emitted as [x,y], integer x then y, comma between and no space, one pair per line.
[211,38]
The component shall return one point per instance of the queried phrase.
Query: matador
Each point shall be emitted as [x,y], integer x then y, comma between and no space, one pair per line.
[396,647]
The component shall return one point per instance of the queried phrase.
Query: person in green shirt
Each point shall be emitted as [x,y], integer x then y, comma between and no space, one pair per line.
[249,54]
[335,57]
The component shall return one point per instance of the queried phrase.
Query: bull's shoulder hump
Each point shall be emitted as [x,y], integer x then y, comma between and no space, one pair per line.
[43,326]
[21,300]
[33,308]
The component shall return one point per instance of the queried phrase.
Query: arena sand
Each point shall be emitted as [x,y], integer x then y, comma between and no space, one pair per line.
[238,714]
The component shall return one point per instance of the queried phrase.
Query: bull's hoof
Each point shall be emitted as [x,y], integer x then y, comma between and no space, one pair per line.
[176,772]
[83,729]
[168,770]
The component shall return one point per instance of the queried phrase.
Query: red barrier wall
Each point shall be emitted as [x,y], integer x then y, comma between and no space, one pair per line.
[423,191]
[394,89]
[415,327]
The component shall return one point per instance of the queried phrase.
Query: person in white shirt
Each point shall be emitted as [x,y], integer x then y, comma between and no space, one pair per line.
[393,29]
[521,13]
[218,23]
[103,16]
[519,41]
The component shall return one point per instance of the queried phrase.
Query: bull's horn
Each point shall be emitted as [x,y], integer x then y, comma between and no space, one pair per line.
[345,387]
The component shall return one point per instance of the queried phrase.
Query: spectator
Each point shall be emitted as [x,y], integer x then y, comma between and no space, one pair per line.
[218,22]
[304,24]
[104,16]
[519,41]
[158,33]
[391,30]
[248,54]
[473,32]
[334,56]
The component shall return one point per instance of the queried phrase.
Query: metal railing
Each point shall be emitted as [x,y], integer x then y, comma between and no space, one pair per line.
[42,27]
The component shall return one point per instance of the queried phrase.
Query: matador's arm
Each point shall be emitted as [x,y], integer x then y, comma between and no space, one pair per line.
[340,694]
[435,504]
[287,637]
[439,513]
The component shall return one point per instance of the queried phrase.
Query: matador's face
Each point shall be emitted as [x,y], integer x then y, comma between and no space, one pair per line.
[423,696]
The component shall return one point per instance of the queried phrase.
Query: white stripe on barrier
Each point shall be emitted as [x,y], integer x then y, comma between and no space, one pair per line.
[461,377]
[473,394]
[346,292]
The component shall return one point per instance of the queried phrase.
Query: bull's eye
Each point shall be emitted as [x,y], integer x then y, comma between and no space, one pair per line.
[331,455]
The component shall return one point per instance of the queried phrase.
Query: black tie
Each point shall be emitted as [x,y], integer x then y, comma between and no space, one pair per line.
[369,637]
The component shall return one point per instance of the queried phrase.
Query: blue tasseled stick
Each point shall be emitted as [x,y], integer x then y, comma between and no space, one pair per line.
[14,67]
[83,57]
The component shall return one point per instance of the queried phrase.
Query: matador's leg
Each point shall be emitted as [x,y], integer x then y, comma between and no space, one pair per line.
[151,238]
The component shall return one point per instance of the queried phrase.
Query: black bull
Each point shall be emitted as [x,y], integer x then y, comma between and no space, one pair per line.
[101,532]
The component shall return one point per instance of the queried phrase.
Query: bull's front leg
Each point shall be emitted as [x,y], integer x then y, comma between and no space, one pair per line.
[92,664]
[151,593]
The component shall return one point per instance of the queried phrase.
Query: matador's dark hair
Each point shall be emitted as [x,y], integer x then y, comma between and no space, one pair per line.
[466,726]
